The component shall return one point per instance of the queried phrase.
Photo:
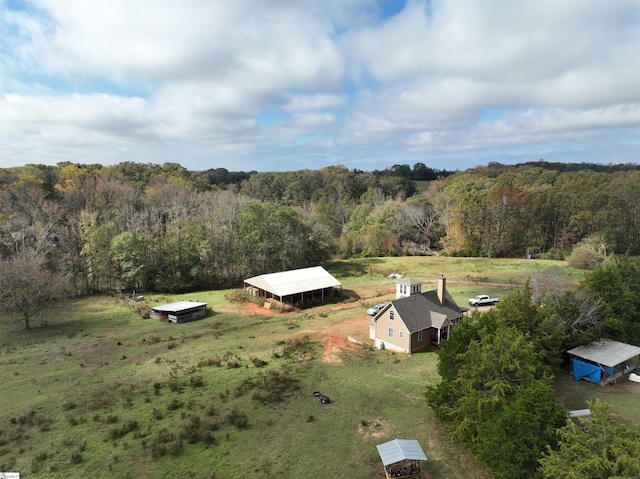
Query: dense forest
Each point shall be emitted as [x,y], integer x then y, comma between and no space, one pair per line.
[161,227]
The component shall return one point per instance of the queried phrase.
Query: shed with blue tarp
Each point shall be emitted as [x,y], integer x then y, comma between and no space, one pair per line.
[603,361]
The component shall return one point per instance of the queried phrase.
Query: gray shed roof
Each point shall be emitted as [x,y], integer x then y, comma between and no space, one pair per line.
[178,306]
[422,311]
[606,352]
[399,450]
[295,281]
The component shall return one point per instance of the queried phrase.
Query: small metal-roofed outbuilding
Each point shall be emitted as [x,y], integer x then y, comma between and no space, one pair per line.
[180,311]
[603,361]
[401,458]
[606,352]
[293,285]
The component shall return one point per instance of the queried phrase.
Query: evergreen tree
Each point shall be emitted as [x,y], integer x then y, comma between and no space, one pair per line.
[598,447]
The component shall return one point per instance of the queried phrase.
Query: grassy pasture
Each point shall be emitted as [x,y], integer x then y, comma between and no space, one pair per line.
[95,391]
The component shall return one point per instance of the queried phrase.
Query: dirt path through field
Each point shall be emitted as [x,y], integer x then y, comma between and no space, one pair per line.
[336,335]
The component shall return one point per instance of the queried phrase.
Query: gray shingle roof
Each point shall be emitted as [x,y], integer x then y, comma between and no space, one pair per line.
[607,352]
[399,450]
[422,311]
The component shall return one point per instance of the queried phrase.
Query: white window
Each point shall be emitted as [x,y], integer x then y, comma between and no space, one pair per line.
[391,332]
[401,334]
[419,336]
[392,314]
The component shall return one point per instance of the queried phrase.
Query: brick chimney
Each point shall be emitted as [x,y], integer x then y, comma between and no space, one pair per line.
[442,288]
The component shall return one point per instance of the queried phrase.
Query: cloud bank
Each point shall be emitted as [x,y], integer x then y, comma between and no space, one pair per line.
[283,85]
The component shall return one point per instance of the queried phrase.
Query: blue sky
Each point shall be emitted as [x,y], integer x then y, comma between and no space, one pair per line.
[278,85]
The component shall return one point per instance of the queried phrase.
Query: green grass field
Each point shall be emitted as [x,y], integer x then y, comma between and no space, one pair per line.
[96,391]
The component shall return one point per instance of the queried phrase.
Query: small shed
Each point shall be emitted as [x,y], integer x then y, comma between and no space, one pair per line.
[401,458]
[179,312]
[603,361]
[293,286]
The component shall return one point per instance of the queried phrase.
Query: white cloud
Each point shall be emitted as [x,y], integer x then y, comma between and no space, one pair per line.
[532,127]
[190,79]
[306,102]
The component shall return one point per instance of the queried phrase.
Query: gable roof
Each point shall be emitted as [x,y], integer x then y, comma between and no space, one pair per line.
[399,450]
[295,281]
[607,352]
[422,311]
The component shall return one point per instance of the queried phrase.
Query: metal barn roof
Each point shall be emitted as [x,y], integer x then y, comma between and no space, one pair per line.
[295,281]
[178,306]
[399,450]
[607,352]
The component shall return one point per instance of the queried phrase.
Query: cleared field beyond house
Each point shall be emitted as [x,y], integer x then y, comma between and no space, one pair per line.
[95,391]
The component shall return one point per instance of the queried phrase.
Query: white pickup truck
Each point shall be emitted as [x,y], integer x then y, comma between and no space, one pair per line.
[483,300]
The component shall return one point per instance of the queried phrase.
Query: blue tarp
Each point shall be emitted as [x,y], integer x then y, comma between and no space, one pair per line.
[582,369]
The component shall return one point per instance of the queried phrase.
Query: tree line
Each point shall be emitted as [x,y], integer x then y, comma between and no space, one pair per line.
[496,395]
[161,227]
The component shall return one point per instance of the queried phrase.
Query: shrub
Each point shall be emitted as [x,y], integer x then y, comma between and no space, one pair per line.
[211,361]
[300,345]
[238,418]
[165,443]
[588,253]
[174,404]
[118,432]
[237,296]
[44,423]
[196,430]
[24,420]
[275,386]
[69,405]
[175,386]
[197,381]
[257,362]
[38,459]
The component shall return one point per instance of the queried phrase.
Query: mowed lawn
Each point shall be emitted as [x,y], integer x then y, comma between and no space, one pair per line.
[94,390]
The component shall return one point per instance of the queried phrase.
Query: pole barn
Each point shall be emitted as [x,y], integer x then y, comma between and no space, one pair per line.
[294,286]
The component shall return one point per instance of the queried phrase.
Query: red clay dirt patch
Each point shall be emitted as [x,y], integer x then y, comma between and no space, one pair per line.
[337,337]
[334,335]
[254,309]
[332,347]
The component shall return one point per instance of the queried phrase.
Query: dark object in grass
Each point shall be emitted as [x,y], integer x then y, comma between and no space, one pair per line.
[324,399]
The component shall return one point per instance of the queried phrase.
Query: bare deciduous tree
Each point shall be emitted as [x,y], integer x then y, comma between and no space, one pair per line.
[25,286]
